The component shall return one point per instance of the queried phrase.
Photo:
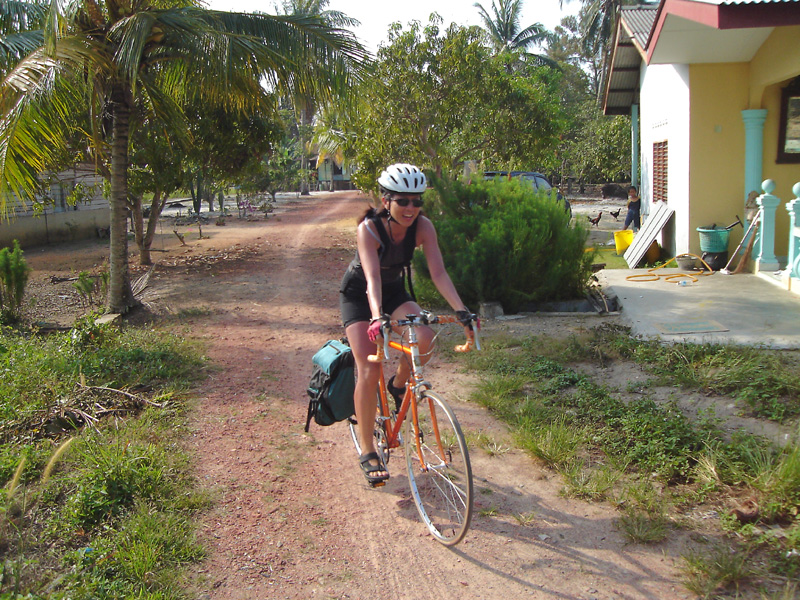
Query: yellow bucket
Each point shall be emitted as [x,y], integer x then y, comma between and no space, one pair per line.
[623,239]
[653,253]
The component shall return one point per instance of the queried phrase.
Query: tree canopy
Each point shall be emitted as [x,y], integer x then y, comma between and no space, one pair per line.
[124,59]
[438,98]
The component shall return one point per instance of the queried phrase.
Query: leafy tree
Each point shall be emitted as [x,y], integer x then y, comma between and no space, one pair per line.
[156,167]
[125,58]
[593,147]
[439,98]
[277,170]
[224,145]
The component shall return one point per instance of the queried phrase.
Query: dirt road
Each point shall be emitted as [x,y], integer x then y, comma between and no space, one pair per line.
[294,517]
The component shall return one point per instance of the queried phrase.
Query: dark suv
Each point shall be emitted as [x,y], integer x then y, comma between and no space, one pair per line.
[537,180]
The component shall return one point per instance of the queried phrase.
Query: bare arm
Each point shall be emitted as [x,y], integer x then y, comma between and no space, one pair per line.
[426,237]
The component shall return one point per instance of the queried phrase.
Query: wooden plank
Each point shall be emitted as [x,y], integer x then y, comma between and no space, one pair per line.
[647,234]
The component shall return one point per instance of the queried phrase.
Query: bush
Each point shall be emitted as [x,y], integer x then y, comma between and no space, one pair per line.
[14,272]
[503,241]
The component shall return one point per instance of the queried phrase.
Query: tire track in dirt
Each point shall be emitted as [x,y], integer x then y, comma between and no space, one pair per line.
[293,516]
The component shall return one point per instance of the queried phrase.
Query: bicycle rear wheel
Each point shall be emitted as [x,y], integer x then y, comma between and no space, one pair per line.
[439,471]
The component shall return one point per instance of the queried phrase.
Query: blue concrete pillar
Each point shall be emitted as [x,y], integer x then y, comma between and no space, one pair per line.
[793,208]
[635,147]
[753,148]
[765,258]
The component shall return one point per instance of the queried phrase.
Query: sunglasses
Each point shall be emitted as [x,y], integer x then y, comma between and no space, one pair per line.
[417,202]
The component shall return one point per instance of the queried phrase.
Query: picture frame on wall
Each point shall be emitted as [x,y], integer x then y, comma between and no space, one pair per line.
[789,132]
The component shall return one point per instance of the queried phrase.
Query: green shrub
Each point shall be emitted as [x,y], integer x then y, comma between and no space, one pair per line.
[503,241]
[14,272]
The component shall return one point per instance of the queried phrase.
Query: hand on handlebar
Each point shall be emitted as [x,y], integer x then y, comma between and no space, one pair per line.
[375,329]
[466,318]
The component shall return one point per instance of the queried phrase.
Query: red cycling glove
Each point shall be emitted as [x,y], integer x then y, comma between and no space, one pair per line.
[374,331]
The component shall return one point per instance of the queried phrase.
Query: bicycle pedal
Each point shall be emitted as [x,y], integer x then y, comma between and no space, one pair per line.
[377,484]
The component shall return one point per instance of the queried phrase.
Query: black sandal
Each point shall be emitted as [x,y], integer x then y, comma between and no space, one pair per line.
[396,393]
[369,469]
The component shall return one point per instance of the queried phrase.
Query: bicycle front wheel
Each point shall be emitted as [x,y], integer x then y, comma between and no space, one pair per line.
[439,470]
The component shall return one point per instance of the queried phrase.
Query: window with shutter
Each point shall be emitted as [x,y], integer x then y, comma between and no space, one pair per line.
[660,172]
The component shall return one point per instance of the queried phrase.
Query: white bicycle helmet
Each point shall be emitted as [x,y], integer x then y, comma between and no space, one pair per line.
[403,178]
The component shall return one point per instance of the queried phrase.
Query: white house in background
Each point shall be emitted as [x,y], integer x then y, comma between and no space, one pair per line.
[60,221]
[705,82]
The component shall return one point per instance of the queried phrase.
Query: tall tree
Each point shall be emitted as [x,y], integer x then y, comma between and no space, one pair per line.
[503,26]
[438,98]
[123,57]
[304,105]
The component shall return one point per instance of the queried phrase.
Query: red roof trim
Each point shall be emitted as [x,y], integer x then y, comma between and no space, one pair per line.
[730,16]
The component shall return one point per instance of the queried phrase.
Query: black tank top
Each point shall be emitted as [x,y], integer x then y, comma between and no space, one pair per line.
[394,258]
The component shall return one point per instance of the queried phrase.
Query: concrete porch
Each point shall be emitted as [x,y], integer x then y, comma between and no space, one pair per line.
[742,309]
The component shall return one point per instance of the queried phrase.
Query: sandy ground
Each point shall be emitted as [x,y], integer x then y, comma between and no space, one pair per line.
[294,517]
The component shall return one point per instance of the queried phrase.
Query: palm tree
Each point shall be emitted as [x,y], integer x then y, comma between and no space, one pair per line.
[504,28]
[318,8]
[303,103]
[598,20]
[126,58]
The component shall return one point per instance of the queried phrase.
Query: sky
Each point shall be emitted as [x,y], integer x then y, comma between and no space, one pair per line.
[376,16]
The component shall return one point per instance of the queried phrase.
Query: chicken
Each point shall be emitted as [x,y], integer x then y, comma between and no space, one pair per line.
[595,220]
[615,214]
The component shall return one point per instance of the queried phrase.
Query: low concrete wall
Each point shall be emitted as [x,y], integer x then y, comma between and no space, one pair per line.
[53,228]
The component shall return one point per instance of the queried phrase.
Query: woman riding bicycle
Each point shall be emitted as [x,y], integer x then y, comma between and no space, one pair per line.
[373,291]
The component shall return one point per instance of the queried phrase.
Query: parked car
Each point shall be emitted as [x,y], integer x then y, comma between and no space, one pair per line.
[537,181]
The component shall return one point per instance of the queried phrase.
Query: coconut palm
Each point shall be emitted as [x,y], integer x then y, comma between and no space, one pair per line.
[304,104]
[123,58]
[504,28]
[598,20]
[318,8]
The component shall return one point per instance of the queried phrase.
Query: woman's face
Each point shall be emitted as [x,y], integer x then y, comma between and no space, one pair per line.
[632,193]
[404,215]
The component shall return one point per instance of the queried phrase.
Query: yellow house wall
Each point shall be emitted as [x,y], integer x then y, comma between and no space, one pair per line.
[775,64]
[719,92]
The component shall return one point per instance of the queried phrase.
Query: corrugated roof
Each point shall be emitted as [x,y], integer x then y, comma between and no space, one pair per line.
[638,21]
[621,87]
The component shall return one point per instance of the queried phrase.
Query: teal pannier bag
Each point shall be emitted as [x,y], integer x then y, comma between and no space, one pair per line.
[332,384]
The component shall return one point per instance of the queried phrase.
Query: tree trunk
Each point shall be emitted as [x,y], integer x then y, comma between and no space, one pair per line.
[304,191]
[145,240]
[138,225]
[197,197]
[120,296]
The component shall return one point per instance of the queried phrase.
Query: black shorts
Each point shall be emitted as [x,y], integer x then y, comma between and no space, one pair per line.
[353,297]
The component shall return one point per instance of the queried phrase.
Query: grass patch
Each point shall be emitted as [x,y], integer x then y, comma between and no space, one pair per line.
[651,459]
[88,510]
[765,382]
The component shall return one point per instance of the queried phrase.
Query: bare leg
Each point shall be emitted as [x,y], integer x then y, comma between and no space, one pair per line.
[365,397]
[424,338]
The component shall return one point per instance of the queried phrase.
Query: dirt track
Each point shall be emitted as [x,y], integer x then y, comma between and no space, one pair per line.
[294,517]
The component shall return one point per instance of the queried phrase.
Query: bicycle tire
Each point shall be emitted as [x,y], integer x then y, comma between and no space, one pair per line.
[442,486]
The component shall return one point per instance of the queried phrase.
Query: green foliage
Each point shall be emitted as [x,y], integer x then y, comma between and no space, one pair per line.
[535,393]
[14,272]
[38,373]
[114,516]
[436,97]
[485,224]
[110,475]
[716,569]
[92,289]
[766,381]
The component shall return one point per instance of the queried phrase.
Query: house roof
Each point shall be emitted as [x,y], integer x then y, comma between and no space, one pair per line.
[687,32]
[621,82]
